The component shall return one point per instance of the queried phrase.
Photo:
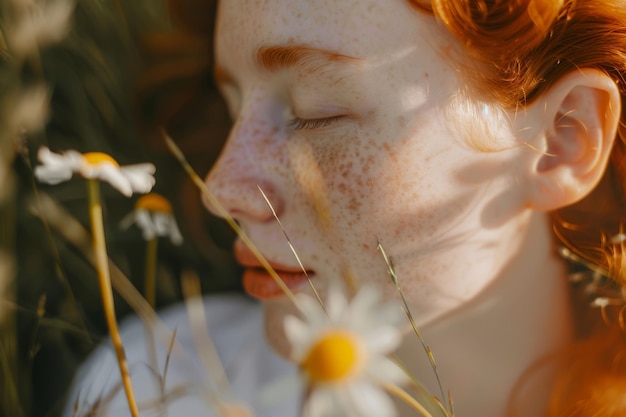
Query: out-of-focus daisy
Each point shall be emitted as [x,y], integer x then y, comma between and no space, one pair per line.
[127,179]
[38,23]
[28,109]
[154,216]
[341,353]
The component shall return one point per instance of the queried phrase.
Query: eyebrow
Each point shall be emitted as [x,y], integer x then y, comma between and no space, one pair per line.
[313,60]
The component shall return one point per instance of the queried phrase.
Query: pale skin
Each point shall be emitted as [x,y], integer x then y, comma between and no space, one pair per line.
[374,147]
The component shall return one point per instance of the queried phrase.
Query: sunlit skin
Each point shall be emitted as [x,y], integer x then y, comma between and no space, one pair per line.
[393,167]
[356,128]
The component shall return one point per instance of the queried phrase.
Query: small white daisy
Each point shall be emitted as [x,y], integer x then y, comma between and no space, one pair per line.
[341,353]
[129,179]
[154,215]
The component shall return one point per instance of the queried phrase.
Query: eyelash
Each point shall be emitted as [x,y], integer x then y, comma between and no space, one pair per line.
[310,124]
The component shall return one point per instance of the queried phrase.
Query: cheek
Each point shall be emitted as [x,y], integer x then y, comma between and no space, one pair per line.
[398,192]
[372,184]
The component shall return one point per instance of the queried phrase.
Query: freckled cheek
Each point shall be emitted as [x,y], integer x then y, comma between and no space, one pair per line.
[381,194]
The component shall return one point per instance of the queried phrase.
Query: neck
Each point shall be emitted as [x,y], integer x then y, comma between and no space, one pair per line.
[483,348]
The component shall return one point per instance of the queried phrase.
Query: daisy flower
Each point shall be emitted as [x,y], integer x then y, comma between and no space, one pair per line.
[57,168]
[96,167]
[154,215]
[341,353]
[38,24]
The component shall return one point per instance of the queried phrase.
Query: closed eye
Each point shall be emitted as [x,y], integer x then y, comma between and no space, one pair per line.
[310,124]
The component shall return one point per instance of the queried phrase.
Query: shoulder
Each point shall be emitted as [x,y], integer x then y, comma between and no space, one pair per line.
[181,363]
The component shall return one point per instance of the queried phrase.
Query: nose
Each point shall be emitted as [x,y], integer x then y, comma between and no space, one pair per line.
[245,179]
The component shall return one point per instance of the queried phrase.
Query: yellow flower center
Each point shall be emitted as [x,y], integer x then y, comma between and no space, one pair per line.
[97,158]
[333,358]
[154,202]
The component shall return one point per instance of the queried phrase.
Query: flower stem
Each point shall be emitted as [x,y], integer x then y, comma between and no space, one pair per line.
[150,296]
[406,397]
[104,279]
[151,262]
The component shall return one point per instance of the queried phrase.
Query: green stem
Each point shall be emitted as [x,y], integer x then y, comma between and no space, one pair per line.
[150,296]
[151,263]
[104,280]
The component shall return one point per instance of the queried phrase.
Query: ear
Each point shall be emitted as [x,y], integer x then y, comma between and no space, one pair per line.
[577,122]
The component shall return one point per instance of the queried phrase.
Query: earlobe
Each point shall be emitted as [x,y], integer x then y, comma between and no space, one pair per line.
[578,119]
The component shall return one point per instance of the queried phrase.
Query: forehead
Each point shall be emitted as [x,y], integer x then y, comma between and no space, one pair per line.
[360,28]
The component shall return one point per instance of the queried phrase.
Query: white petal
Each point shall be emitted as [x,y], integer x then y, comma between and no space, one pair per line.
[322,402]
[53,175]
[128,220]
[311,310]
[370,401]
[73,159]
[140,177]
[174,232]
[383,339]
[298,334]
[161,223]
[109,173]
[363,310]
[386,370]
[364,301]
[56,167]
[381,316]
[49,158]
[144,221]
[336,303]
[301,335]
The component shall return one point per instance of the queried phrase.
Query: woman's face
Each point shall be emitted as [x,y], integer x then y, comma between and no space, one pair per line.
[348,116]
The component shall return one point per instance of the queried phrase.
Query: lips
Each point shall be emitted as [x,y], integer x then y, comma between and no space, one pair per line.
[258,283]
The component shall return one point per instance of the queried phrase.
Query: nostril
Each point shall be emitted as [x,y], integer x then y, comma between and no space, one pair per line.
[244,198]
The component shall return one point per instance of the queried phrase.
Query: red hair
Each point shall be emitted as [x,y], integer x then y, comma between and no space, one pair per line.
[522,48]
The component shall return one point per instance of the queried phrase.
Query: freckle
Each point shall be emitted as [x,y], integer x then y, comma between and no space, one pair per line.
[392,154]
[354,204]
[426,75]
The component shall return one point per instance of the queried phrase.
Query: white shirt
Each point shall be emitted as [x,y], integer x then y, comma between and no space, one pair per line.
[255,373]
